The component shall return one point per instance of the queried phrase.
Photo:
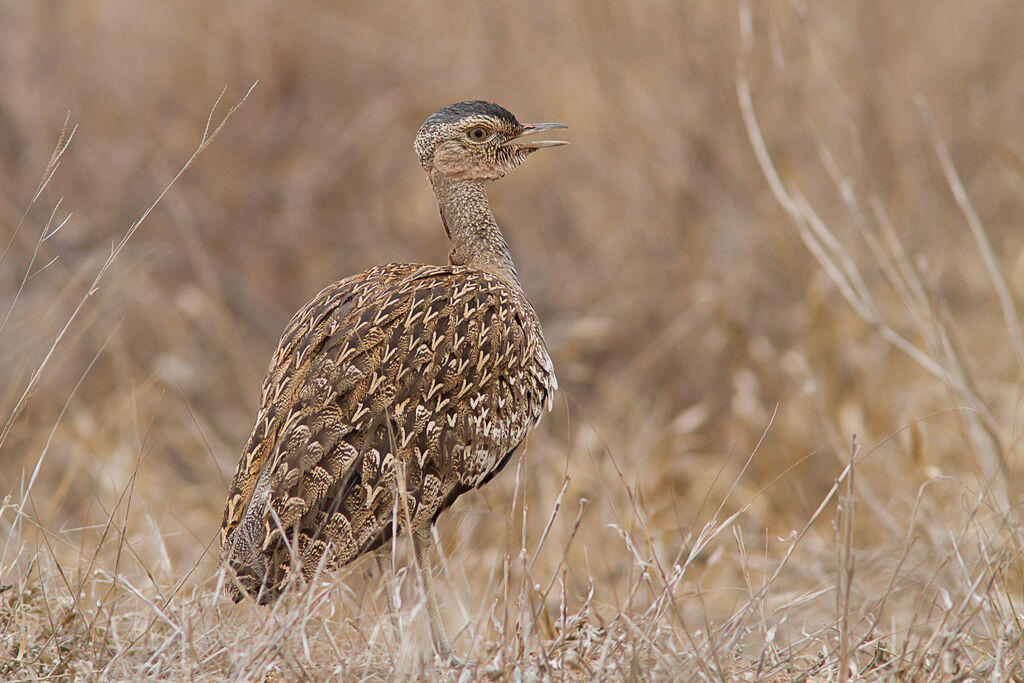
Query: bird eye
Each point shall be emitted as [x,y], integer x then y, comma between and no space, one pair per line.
[478,133]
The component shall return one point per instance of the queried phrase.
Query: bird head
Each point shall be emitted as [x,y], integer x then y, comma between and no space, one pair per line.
[478,140]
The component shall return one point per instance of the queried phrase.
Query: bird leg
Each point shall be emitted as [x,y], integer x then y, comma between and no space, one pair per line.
[387,570]
[422,543]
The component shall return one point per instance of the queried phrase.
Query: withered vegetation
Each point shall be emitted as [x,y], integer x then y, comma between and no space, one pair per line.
[779,271]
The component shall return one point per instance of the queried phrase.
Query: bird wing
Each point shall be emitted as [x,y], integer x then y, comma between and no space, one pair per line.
[418,379]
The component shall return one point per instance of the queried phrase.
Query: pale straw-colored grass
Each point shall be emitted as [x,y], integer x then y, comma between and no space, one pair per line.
[779,271]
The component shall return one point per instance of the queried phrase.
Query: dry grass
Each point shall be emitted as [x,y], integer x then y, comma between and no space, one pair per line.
[779,271]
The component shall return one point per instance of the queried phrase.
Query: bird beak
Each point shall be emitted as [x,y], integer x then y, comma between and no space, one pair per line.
[531,129]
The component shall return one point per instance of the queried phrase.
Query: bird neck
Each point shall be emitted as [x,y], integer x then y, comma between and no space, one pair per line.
[476,238]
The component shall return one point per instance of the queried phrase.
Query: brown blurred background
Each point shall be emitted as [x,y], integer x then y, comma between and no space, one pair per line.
[681,307]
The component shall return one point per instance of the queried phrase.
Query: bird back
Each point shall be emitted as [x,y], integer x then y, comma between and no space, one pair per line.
[390,394]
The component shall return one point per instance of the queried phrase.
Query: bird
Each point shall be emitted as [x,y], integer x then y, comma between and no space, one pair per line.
[396,390]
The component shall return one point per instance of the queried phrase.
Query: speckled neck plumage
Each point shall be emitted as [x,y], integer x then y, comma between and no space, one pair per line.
[476,238]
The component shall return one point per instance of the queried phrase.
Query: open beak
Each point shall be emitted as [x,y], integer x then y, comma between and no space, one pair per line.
[531,129]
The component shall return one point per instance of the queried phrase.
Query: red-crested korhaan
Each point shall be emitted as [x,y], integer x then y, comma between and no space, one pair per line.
[396,390]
